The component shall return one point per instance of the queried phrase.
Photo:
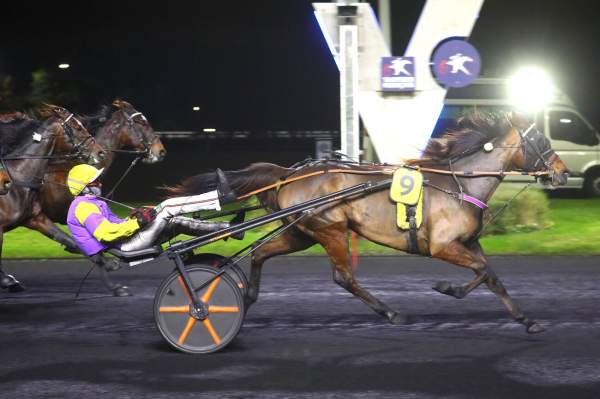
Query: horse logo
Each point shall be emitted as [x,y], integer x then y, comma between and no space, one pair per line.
[399,66]
[456,63]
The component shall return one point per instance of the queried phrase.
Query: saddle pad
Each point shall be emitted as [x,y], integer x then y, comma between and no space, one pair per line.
[407,190]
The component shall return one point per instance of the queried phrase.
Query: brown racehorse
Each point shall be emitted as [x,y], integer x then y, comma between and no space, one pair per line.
[450,229]
[121,129]
[60,135]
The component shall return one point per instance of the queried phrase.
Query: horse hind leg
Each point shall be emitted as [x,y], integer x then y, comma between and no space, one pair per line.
[473,259]
[334,239]
[289,242]
[105,266]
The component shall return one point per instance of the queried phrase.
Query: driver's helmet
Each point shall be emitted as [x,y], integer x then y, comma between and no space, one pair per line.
[80,176]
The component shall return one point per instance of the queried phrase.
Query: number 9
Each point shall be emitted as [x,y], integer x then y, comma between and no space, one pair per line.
[407,183]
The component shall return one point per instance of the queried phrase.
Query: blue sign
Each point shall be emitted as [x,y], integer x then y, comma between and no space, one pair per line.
[456,63]
[398,74]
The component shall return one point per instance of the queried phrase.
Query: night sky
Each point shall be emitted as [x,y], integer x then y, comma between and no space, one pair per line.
[263,64]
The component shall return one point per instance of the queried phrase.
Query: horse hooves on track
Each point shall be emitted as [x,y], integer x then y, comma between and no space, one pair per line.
[535,328]
[121,291]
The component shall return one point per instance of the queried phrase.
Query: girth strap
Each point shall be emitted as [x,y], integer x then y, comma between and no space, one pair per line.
[411,212]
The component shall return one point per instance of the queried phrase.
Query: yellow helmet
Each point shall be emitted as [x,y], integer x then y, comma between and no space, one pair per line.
[80,176]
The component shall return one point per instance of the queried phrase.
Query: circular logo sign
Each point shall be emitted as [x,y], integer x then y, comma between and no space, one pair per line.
[456,63]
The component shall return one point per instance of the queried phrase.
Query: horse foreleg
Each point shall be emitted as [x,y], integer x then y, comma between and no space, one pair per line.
[496,286]
[7,281]
[334,239]
[288,242]
[473,259]
[44,225]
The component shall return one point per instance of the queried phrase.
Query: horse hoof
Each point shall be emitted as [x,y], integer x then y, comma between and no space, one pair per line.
[443,287]
[11,284]
[18,287]
[121,291]
[535,328]
[399,319]
[112,266]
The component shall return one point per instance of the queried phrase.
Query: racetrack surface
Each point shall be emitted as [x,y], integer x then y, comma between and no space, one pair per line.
[308,338]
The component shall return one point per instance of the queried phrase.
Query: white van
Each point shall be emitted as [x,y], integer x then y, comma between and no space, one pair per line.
[573,138]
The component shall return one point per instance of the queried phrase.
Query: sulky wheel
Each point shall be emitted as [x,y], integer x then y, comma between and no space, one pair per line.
[214,260]
[198,334]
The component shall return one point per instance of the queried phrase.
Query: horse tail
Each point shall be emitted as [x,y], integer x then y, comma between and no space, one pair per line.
[242,181]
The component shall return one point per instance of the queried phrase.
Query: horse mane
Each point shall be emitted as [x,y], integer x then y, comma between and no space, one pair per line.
[94,121]
[472,131]
[242,181]
[14,134]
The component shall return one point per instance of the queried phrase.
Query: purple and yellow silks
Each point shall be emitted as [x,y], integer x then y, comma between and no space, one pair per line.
[94,227]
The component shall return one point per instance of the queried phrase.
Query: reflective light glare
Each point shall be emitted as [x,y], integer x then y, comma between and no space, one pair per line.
[530,89]
[196,108]
[63,66]
[209,130]
[565,120]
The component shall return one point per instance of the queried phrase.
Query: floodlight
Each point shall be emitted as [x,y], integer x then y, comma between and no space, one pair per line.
[530,89]
[64,66]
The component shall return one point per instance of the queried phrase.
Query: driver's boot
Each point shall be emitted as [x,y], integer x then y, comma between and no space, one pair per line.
[10,283]
[226,193]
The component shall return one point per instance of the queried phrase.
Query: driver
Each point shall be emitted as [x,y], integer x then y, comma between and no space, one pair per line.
[95,227]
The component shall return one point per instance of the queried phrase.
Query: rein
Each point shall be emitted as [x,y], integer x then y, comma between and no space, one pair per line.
[389,171]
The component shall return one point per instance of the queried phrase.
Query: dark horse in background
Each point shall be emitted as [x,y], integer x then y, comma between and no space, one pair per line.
[118,129]
[27,147]
[450,228]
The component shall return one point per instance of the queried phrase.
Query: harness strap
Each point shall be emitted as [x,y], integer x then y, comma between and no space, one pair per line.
[413,246]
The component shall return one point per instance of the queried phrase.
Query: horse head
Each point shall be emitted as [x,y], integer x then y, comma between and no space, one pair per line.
[136,132]
[72,137]
[24,139]
[536,153]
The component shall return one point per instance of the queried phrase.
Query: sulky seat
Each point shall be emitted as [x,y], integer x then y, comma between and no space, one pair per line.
[137,256]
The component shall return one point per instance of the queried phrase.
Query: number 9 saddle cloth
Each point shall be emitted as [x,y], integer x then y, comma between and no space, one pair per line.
[407,193]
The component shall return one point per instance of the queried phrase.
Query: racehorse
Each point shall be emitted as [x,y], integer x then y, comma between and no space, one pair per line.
[60,135]
[451,225]
[122,129]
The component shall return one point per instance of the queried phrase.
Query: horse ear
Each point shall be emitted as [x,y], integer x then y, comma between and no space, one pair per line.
[47,110]
[120,104]
[516,119]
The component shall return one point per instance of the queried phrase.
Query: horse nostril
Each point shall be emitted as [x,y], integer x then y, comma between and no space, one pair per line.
[7,185]
[162,154]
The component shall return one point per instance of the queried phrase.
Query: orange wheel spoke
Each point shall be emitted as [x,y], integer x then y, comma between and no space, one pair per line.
[186,331]
[185,291]
[210,290]
[211,331]
[223,309]
[174,309]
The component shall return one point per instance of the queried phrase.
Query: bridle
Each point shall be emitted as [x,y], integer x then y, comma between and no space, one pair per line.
[533,153]
[78,144]
[131,123]
[147,144]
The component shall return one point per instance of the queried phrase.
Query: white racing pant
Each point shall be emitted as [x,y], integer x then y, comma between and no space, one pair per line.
[167,216]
